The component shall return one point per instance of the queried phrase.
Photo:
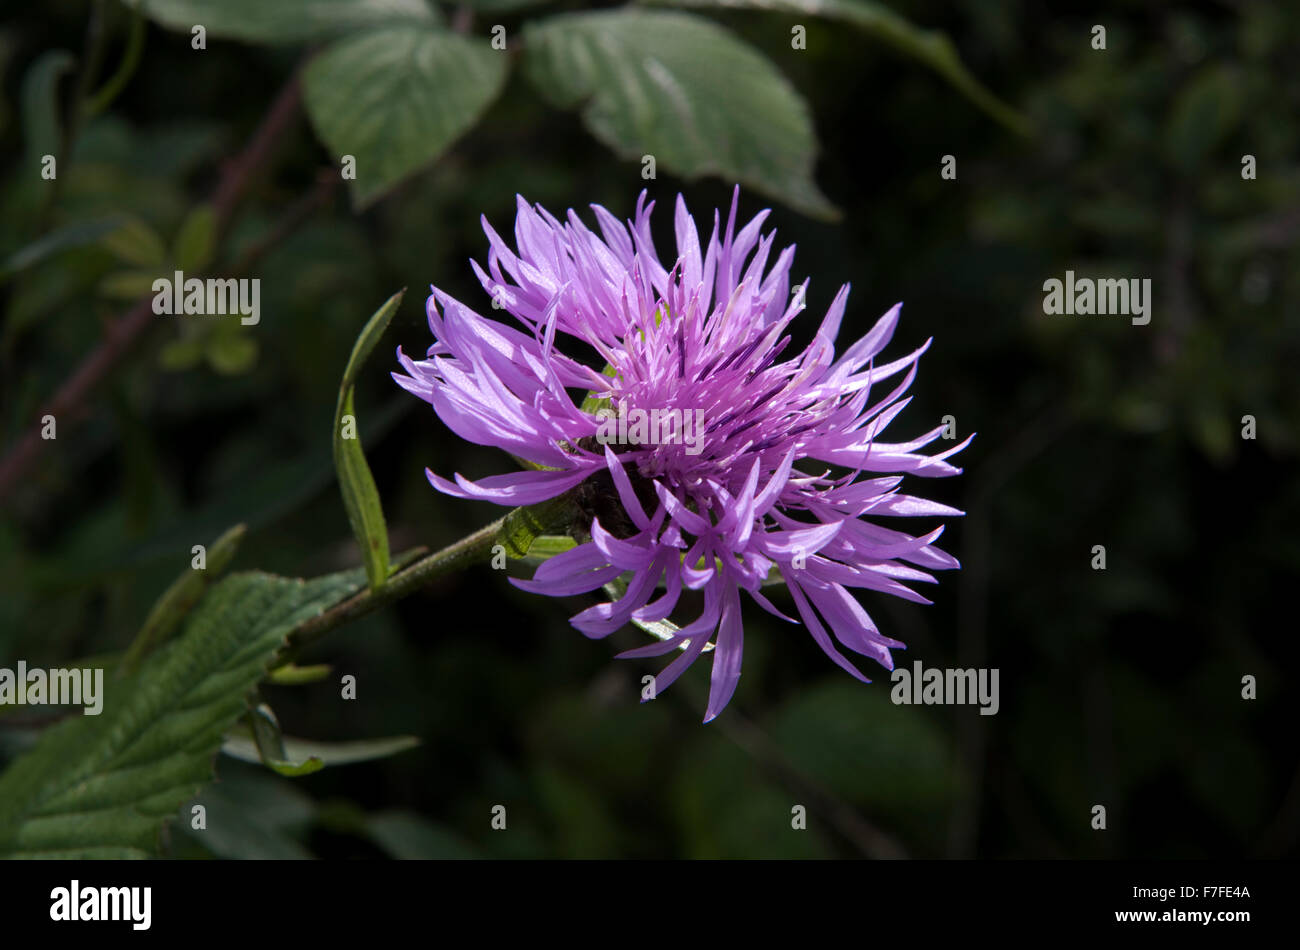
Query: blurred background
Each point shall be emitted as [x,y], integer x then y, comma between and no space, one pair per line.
[1120,687]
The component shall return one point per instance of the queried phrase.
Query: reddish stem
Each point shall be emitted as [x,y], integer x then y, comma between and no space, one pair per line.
[69,402]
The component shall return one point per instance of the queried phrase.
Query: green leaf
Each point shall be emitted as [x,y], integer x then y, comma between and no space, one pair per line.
[103,786]
[78,234]
[134,242]
[285,21]
[42,130]
[264,728]
[293,675]
[409,837]
[304,756]
[684,90]
[932,48]
[1206,110]
[357,485]
[231,354]
[196,239]
[126,285]
[396,99]
[251,815]
[179,599]
[499,6]
[547,546]
[369,338]
[850,737]
[177,355]
[523,527]
[593,402]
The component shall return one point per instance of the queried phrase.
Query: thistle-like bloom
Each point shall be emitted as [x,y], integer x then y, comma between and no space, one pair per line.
[773,480]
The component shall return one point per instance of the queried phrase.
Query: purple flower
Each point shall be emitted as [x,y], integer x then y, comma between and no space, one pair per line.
[719,457]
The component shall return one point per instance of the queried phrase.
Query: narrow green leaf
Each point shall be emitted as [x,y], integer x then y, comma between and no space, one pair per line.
[285,21]
[357,485]
[292,675]
[103,786]
[369,338]
[930,47]
[104,96]
[682,89]
[42,128]
[295,769]
[265,731]
[394,100]
[78,234]
[360,495]
[304,756]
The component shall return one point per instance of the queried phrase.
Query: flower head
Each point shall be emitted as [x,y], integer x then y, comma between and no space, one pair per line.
[709,455]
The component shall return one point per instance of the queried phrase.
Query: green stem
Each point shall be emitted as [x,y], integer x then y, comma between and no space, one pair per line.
[101,100]
[474,547]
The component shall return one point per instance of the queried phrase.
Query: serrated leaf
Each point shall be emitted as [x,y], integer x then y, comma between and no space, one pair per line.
[179,598]
[683,89]
[929,46]
[357,485]
[396,99]
[285,21]
[196,239]
[102,786]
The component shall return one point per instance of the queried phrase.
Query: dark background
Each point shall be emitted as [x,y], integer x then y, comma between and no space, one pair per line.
[1120,688]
